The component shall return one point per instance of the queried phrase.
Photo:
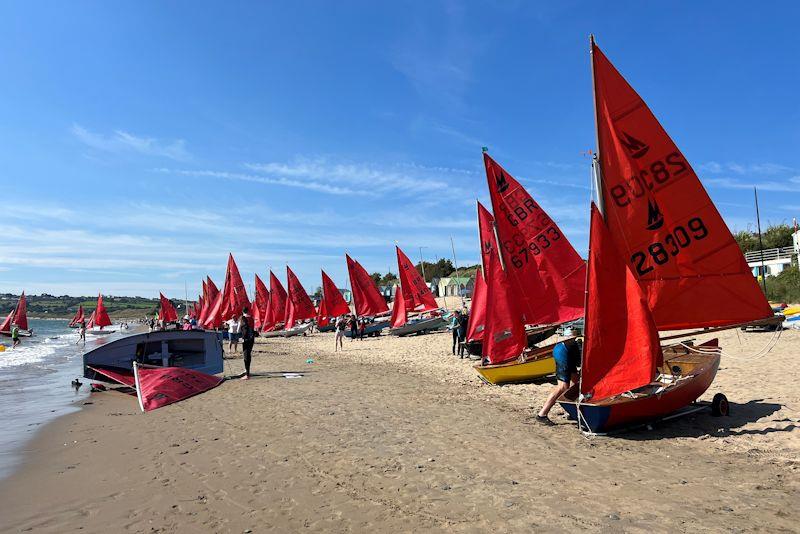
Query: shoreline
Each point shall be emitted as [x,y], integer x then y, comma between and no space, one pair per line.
[349,447]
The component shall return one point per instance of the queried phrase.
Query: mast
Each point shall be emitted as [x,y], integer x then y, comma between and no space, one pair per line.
[760,245]
[455,260]
[598,179]
[422,264]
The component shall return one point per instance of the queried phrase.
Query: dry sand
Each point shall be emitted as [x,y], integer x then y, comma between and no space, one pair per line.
[398,435]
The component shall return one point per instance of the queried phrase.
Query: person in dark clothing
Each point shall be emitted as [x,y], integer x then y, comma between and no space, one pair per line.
[362,327]
[463,321]
[353,328]
[567,355]
[248,337]
[455,320]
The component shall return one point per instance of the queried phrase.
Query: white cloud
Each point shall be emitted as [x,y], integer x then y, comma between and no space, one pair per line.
[121,141]
[791,185]
[769,169]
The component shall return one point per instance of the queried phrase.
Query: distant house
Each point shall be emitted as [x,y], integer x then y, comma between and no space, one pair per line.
[456,286]
[347,294]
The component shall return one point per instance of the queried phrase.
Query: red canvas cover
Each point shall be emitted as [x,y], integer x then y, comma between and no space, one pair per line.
[399,311]
[504,332]
[417,294]
[124,377]
[622,346]
[278,295]
[101,317]
[663,221]
[546,274]
[298,303]
[366,297]
[260,304]
[167,312]
[477,312]
[159,386]
[334,301]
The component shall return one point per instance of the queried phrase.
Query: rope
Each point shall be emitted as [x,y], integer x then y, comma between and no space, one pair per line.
[718,350]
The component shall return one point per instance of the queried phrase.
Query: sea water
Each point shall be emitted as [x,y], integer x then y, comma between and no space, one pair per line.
[35,384]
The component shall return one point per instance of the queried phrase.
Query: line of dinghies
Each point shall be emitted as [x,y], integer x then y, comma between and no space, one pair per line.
[660,259]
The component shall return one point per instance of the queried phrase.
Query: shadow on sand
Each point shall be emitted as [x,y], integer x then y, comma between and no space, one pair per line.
[271,374]
[702,423]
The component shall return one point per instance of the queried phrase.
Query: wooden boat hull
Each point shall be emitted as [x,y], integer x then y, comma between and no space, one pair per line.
[535,335]
[372,329]
[538,364]
[294,331]
[22,333]
[100,332]
[620,411]
[419,327]
[200,350]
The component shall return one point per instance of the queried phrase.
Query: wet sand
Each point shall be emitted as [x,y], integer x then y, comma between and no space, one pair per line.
[399,435]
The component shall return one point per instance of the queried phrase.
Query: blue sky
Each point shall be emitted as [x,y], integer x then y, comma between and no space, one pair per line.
[142,141]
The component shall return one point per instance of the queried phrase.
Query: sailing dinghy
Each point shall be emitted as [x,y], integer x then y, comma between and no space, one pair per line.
[76,320]
[331,305]
[99,318]
[18,316]
[367,299]
[413,296]
[660,258]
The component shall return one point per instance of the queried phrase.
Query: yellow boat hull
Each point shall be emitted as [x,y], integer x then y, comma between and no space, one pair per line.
[513,372]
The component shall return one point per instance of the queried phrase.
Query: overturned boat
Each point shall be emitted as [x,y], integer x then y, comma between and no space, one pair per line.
[200,350]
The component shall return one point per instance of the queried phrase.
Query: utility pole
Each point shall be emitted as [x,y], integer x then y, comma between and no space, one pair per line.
[422,264]
[760,245]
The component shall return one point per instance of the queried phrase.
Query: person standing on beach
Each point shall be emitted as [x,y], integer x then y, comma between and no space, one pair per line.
[81,333]
[567,355]
[339,327]
[362,327]
[233,333]
[353,328]
[14,336]
[453,327]
[248,336]
[463,321]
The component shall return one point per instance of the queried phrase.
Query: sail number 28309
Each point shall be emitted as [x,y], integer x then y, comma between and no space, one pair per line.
[673,244]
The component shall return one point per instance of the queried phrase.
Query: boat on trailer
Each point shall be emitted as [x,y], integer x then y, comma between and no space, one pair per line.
[660,258]
[419,326]
[200,350]
[372,329]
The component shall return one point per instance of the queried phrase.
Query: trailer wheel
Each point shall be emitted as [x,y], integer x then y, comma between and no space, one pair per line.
[720,405]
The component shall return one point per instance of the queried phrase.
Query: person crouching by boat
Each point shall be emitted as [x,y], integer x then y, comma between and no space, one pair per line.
[567,355]
[248,336]
[233,333]
[339,328]
[14,336]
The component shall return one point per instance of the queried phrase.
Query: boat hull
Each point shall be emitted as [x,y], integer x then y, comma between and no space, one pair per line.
[100,332]
[294,331]
[200,350]
[538,364]
[419,327]
[619,411]
[535,335]
[22,333]
[372,329]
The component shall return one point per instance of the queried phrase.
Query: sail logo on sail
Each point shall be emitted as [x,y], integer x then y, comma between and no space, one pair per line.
[635,148]
[502,183]
[655,219]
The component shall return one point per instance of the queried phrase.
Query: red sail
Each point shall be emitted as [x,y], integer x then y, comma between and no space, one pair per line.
[214,320]
[399,309]
[6,326]
[477,312]
[298,304]
[663,221]
[366,297]
[268,319]
[77,318]
[622,347]
[167,313]
[323,317]
[416,292]
[236,295]
[504,333]
[21,315]
[208,302]
[278,295]
[260,304]
[90,322]
[335,304]
[546,273]
[159,386]
[101,318]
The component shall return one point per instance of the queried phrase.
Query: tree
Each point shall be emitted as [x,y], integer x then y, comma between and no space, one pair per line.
[785,287]
[748,241]
[318,293]
[777,236]
[376,276]
[388,279]
[440,269]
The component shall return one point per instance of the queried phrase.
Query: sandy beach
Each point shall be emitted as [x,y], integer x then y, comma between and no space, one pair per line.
[396,434]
